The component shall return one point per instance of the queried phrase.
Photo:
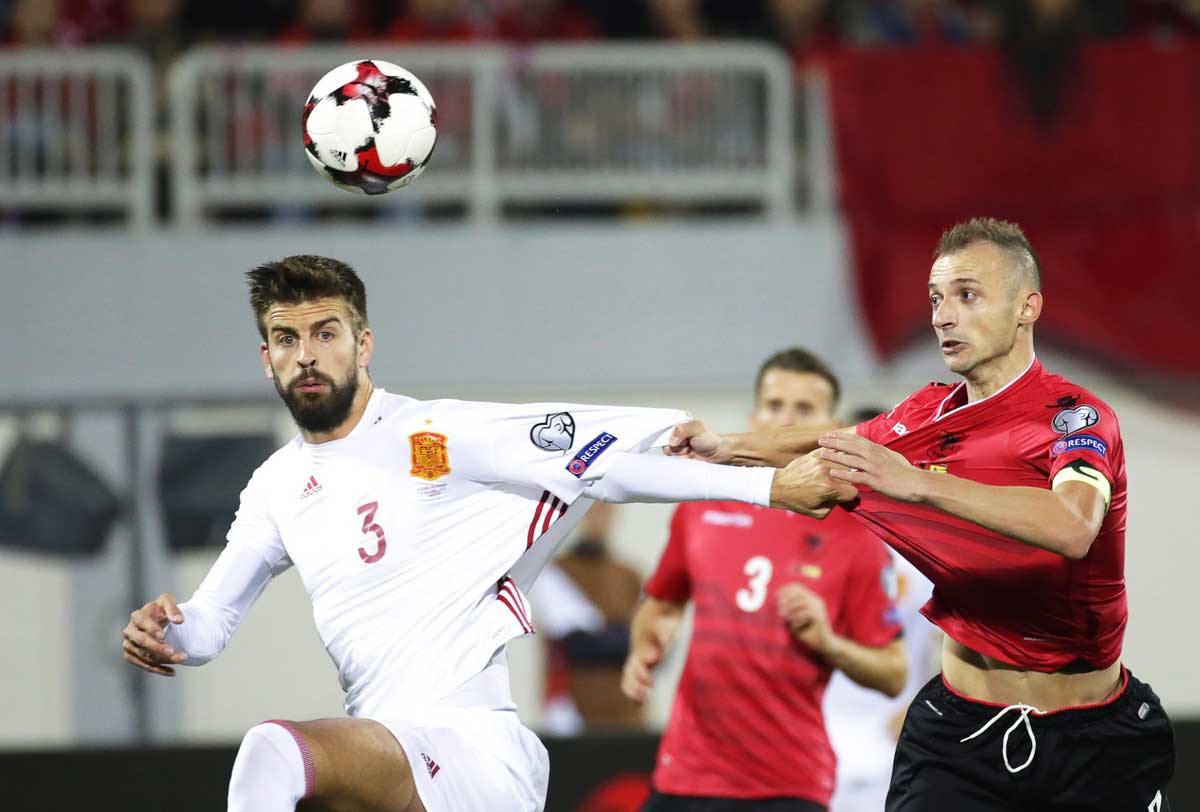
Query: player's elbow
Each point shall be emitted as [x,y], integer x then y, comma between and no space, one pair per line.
[1076,541]
[1078,550]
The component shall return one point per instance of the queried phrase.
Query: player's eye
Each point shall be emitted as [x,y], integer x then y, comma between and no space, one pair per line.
[325,335]
[935,300]
[968,295]
[287,341]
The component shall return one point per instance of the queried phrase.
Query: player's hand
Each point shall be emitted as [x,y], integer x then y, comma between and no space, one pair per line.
[696,440]
[637,677]
[804,612]
[859,461]
[144,646]
[805,486]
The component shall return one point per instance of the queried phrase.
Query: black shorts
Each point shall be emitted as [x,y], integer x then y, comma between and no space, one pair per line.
[661,802]
[1117,756]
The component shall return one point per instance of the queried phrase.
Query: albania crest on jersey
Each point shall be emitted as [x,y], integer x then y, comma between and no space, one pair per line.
[430,459]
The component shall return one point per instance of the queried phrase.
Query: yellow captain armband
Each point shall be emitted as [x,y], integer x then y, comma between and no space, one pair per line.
[1081,472]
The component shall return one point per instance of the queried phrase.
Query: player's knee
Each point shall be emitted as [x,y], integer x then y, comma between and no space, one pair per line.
[277,749]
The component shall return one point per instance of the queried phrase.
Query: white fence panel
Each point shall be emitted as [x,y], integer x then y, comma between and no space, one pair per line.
[547,125]
[76,131]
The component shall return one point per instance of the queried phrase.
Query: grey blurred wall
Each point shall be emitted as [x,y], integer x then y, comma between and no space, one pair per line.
[562,306]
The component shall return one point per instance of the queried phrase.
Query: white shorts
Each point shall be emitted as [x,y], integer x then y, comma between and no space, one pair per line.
[860,794]
[475,760]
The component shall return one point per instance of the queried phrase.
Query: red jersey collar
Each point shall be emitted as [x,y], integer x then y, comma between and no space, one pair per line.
[1032,371]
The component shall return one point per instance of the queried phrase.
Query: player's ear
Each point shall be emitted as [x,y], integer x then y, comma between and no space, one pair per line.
[366,347]
[1031,307]
[266,360]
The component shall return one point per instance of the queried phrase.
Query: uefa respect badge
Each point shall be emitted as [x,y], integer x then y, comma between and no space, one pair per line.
[587,455]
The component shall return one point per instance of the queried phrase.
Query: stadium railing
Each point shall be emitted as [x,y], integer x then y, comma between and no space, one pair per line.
[544,126]
[76,132]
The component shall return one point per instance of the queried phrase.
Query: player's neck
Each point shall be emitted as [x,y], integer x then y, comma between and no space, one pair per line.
[361,398]
[993,375]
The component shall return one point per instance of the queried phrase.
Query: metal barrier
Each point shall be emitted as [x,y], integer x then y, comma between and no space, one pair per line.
[76,131]
[539,126]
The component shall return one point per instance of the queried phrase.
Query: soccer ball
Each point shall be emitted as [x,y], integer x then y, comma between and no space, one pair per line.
[369,127]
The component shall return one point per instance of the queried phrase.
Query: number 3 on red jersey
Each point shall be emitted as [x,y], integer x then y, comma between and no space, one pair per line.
[759,569]
[369,526]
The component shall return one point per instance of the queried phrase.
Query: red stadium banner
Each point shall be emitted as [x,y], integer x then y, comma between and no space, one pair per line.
[1108,190]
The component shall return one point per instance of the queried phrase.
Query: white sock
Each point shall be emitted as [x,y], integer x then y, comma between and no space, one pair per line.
[273,770]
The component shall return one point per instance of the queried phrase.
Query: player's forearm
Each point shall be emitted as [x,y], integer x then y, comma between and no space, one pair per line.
[1034,516]
[655,623]
[215,611]
[882,668]
[203,634]
[653,478]
[774,448]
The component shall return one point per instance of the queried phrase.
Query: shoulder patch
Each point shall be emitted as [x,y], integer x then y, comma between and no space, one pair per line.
[588,454]
[555,433]
[1069,421]
[1079,442]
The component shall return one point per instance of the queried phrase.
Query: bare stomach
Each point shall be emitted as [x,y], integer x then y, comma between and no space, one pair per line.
[980,677]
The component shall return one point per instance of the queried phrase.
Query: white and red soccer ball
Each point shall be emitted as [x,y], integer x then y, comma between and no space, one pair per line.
[369,126]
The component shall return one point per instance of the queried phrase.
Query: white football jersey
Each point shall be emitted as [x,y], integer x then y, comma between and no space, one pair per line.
[406,532]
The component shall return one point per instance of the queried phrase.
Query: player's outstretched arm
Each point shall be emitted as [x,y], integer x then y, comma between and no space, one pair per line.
[803,486]
[145,636]
[654,626]
[1064,520]
[881,668]
[775,448]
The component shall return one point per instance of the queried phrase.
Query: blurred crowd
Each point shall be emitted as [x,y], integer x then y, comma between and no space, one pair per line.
[805,27]
[571,122]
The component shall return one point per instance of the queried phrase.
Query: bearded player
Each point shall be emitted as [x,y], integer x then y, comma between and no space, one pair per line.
[1008,491]
[416,527]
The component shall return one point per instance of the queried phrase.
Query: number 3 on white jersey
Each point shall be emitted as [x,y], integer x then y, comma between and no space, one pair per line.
[751,597]
[369,526]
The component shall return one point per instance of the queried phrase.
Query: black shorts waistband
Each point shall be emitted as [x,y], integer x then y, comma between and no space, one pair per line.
[937,690]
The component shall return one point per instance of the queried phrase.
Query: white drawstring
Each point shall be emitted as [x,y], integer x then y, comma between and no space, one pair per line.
[1024,717]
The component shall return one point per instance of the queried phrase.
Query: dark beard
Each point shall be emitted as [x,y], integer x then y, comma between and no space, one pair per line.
[318,414]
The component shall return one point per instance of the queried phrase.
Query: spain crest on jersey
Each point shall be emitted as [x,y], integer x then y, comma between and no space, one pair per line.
[430,459]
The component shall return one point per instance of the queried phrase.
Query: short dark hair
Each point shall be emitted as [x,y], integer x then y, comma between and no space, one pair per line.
[302,278]
[1004,235]
[798,359]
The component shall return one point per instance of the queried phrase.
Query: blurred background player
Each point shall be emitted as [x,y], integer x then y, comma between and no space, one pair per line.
[585,602]
[862,724]
[781,601]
